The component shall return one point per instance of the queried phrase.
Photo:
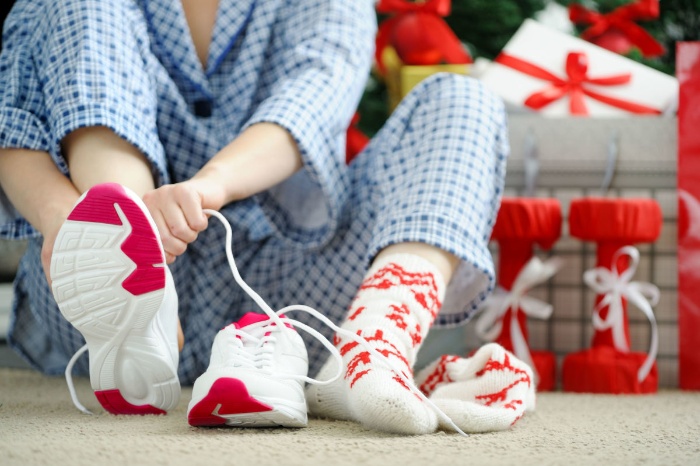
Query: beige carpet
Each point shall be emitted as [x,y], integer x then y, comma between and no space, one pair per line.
[39,425]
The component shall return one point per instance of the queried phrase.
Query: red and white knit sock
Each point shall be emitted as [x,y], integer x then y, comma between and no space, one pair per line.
[489,391]
[393,310]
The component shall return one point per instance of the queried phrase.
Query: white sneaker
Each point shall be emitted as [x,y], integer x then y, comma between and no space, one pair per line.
[111,282]
[255,377]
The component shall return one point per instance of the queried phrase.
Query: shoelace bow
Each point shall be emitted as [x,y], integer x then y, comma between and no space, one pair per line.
[283,324]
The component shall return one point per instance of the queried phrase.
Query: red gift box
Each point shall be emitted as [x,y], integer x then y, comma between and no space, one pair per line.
[522,224]
[609,366]
[688,74]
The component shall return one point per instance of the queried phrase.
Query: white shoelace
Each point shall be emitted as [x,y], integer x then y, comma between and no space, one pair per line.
[280,322]
[256,356]
[69,380]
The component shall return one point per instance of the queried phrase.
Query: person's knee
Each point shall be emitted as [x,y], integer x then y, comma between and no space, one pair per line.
[459,90]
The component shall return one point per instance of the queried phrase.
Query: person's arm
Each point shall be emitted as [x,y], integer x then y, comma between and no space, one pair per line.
[261,157]
[36,188]
[319,61]
[39,192]
[265,153]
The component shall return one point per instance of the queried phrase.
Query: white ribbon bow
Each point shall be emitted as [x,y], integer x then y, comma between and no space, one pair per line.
[489,325]
[614,286]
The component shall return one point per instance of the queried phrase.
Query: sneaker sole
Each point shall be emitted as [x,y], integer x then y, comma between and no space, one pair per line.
[109,281]
[228,403]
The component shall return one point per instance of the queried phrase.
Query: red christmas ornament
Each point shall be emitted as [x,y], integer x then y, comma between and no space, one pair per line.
[418,33]
[617,30]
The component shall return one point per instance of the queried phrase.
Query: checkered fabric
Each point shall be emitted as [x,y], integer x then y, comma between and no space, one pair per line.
[433,174]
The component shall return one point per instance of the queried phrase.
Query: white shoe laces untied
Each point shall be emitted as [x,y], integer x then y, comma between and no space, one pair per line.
[259,355]
[280,322]
[69,380]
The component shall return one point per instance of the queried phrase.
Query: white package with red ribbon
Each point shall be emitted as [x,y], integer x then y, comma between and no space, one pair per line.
[558,74]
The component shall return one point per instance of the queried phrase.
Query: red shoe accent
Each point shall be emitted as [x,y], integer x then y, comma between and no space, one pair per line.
[142,246]
[98,205]
[231,397]
[250,318]
[114,402]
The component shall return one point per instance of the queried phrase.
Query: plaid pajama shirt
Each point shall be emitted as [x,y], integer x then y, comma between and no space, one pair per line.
[433,174]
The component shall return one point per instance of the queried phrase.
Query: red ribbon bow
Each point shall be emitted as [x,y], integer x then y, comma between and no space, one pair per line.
[573,85]
[622,20]
[418,33]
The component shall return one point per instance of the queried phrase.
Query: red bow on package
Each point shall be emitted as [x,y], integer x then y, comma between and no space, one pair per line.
[617,31]
[418,33]
[574,85]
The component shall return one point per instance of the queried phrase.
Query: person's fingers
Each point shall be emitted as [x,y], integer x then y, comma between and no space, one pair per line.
[177,223]
[177,211]
[172,245]
[190,204]
[169,258]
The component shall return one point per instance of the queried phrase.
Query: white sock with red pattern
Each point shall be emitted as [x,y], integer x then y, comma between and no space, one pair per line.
[393,310]
[489,391]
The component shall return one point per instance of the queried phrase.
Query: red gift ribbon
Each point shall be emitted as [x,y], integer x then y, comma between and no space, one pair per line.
[622,19]
[573,85]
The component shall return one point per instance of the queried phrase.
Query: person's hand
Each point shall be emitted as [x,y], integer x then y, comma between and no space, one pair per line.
[178,212]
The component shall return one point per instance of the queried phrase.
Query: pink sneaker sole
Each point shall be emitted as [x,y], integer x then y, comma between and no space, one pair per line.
[226,397]
[228,402]
[110,282]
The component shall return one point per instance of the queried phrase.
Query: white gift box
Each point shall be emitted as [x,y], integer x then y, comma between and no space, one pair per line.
[532,70]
